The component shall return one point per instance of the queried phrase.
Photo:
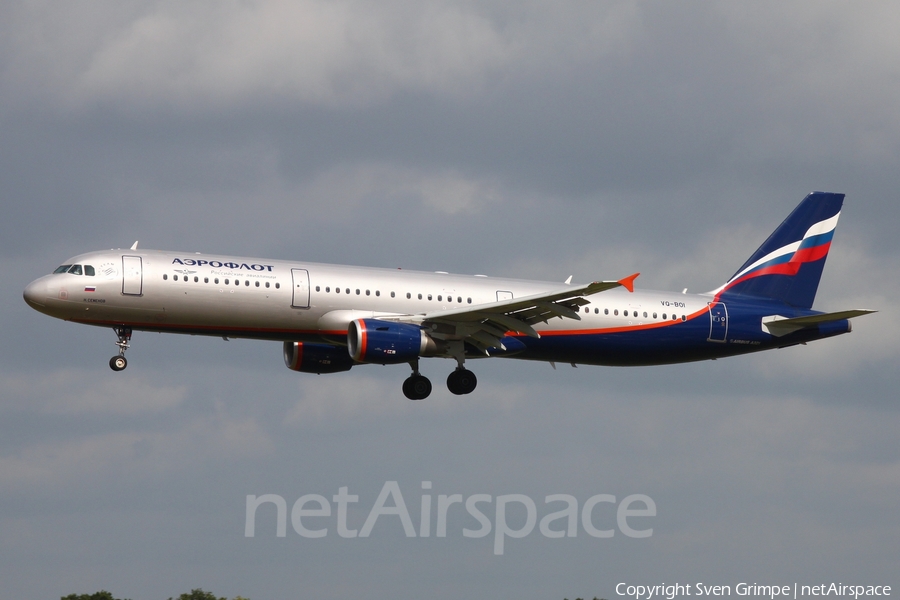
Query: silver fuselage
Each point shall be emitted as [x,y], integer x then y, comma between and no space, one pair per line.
[231,296]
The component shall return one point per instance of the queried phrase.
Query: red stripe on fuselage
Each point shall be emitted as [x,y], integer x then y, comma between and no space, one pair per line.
[606,330]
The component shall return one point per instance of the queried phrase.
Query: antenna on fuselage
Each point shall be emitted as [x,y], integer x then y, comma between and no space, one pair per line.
[134,246]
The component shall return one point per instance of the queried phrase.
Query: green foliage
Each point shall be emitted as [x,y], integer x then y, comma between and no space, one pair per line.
[198,594]
[101,595]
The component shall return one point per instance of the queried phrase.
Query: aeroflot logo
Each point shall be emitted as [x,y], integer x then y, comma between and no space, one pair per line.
[199,262]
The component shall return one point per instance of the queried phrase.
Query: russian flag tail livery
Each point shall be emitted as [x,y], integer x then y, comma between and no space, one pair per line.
[788,266]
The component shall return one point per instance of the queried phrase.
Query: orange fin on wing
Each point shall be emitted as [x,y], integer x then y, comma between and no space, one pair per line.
[628,282]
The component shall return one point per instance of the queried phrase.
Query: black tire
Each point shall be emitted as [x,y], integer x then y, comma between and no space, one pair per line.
[417,387]
[118,363]
[461,381]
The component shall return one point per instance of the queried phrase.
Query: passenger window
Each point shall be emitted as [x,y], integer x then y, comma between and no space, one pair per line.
[367,292]
[470,300]
[408,295]
[226,282]
[165,276]
[357,291]
[267,284]
[393,295]
[61,269]
[216,281]
[645,314]
[247,282]
[257,285]
[654,315]
[327,287]
[586,310]
[459,299]
[596,311]
[377,293]
[616,312]
[277,286]
[174,277]
[75,270]
[206,280]
[420,296]
[89,270]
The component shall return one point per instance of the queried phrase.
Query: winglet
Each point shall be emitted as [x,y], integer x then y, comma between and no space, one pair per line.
[134,246]
[628,282]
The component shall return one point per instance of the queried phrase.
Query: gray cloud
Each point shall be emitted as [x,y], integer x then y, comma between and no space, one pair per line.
[518,139]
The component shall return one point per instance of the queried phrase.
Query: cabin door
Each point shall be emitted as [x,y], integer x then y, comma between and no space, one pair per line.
[300,279]
[132,276]
[718,322]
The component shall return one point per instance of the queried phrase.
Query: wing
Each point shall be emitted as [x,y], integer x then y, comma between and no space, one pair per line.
[483,325]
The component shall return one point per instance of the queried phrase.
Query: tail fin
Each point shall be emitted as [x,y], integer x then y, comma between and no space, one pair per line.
[788,266]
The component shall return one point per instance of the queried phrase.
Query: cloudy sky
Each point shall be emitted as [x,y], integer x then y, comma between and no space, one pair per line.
[528,139]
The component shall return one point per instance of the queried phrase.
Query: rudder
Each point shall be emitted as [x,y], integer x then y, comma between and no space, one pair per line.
[788,265]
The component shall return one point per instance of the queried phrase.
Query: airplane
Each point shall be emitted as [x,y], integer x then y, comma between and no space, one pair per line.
[331,318]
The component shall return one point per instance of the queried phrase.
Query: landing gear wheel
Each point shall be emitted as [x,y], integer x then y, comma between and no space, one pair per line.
[118,362]
[461,381]
[416,387]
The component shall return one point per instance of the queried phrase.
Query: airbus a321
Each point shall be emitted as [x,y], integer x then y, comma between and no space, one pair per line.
[331,318]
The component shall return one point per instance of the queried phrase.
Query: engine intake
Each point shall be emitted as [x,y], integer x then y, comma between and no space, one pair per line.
[316,358]
[388,343]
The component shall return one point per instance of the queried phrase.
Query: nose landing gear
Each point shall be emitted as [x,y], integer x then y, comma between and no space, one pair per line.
[118,362]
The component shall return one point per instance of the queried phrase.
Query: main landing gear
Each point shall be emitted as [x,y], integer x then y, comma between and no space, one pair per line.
[461,381]
[118,362]
[418,387]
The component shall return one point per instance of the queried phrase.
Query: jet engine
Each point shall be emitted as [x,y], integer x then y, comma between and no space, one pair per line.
[388,342]
[316,358]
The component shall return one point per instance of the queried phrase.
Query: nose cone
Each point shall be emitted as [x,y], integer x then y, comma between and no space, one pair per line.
[35,293]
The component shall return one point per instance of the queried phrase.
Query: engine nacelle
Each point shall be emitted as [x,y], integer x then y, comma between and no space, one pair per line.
[316,358]
[388,343]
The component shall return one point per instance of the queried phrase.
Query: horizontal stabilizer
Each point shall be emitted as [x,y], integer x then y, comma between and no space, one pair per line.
[778,325]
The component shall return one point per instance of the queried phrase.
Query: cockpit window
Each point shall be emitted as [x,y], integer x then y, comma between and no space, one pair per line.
[89,270]
[75,270]
[62,269]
